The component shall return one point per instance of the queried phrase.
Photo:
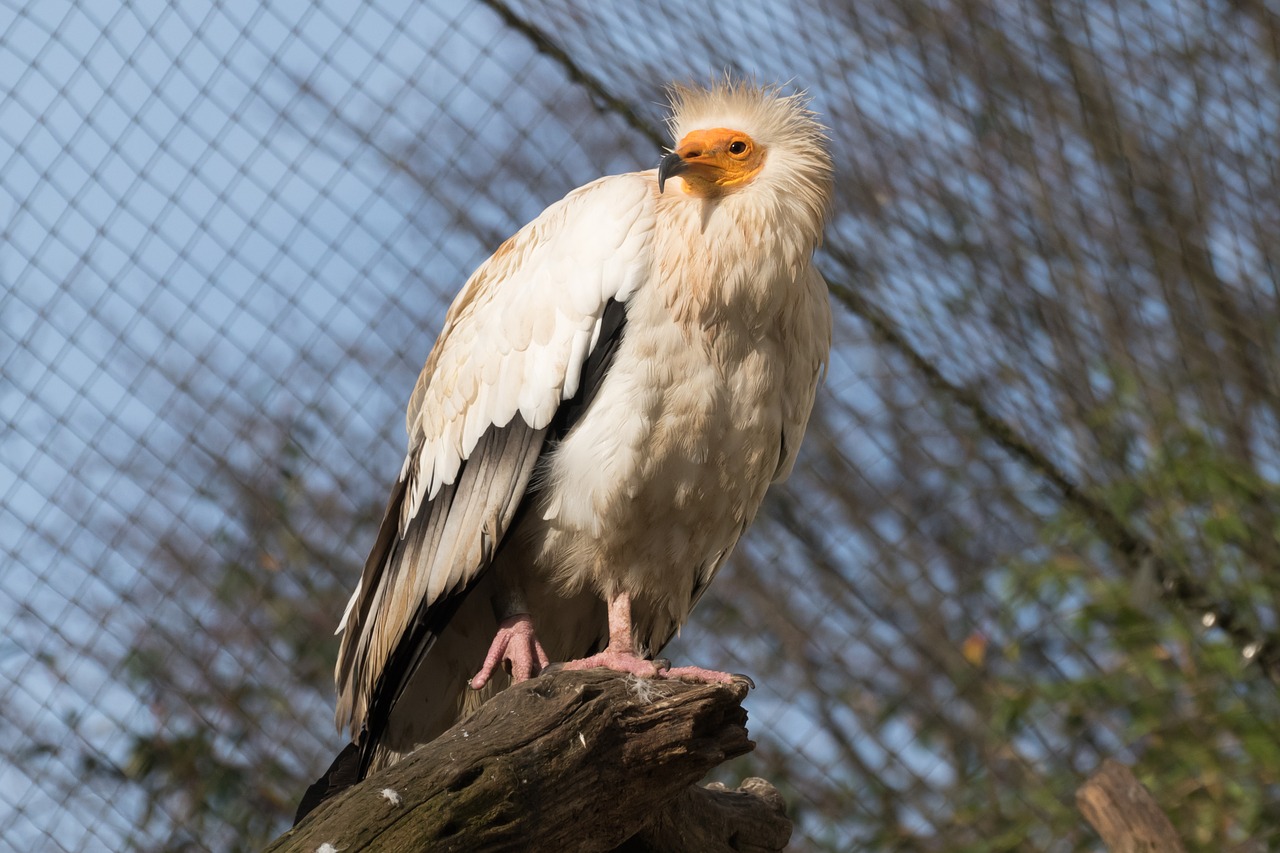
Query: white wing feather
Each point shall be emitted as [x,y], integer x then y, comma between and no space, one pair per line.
[810,333]
[514,342]
[518,333]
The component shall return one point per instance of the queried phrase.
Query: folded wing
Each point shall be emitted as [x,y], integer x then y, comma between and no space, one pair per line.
[511,353]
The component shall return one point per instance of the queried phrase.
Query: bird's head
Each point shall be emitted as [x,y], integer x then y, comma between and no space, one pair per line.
[712,161]
[733,135]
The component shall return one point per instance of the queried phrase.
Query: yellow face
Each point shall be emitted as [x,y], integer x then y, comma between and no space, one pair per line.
[713,161]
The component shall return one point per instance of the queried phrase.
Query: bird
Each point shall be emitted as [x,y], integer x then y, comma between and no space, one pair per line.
[611,395]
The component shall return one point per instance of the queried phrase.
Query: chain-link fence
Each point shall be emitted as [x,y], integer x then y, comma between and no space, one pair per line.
[1036,521]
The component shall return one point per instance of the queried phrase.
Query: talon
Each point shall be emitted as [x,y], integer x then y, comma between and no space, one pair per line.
[702,676]
[662,664]
[516,648]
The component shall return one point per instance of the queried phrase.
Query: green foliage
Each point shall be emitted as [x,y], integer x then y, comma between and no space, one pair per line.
[1164,690]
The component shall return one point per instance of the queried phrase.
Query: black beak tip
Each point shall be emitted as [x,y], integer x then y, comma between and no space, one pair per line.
[670,166]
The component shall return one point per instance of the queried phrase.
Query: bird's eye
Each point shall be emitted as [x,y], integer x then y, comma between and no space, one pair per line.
[737,147]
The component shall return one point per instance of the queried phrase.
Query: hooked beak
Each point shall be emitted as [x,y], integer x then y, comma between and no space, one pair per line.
[670,166]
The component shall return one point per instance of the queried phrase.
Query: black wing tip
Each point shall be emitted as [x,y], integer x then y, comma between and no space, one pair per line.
[344,772]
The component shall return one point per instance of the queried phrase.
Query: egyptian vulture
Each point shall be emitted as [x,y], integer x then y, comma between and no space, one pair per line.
[611,395]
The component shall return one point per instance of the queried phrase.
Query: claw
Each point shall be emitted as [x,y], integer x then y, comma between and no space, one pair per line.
[516,646]
[704,676]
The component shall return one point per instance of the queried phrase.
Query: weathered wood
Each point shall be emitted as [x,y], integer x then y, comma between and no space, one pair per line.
[568,761]
[1124,813]
[752,819]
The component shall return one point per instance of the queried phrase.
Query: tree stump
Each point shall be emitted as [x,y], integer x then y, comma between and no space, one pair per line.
[573,761]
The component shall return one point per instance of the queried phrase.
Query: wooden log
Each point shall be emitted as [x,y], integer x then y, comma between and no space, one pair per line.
[574,761]
[752,819]
[1124,813]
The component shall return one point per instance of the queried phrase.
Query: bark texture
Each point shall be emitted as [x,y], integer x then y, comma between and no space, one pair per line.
[575,761]
[1124,813]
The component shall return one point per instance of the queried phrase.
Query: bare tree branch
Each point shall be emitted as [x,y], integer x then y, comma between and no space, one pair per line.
[1123,811]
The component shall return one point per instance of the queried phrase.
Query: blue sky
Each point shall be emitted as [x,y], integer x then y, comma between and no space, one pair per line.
[166,229]
[177,215]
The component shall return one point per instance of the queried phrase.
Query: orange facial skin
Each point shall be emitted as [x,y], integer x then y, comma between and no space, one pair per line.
[712,162]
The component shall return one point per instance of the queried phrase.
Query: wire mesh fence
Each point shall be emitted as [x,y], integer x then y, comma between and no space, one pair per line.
[1035,523]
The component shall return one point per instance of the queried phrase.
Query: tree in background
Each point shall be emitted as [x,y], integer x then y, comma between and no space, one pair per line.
[1035,520]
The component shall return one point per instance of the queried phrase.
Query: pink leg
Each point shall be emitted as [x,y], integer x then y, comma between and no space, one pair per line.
[704,676]
[620,654]
[517,645]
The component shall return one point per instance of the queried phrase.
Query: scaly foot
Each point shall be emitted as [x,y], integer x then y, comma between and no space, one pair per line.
[517,646]
[628,662]
[703,676]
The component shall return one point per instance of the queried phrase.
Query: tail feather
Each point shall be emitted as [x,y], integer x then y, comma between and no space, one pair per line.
[342,773]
